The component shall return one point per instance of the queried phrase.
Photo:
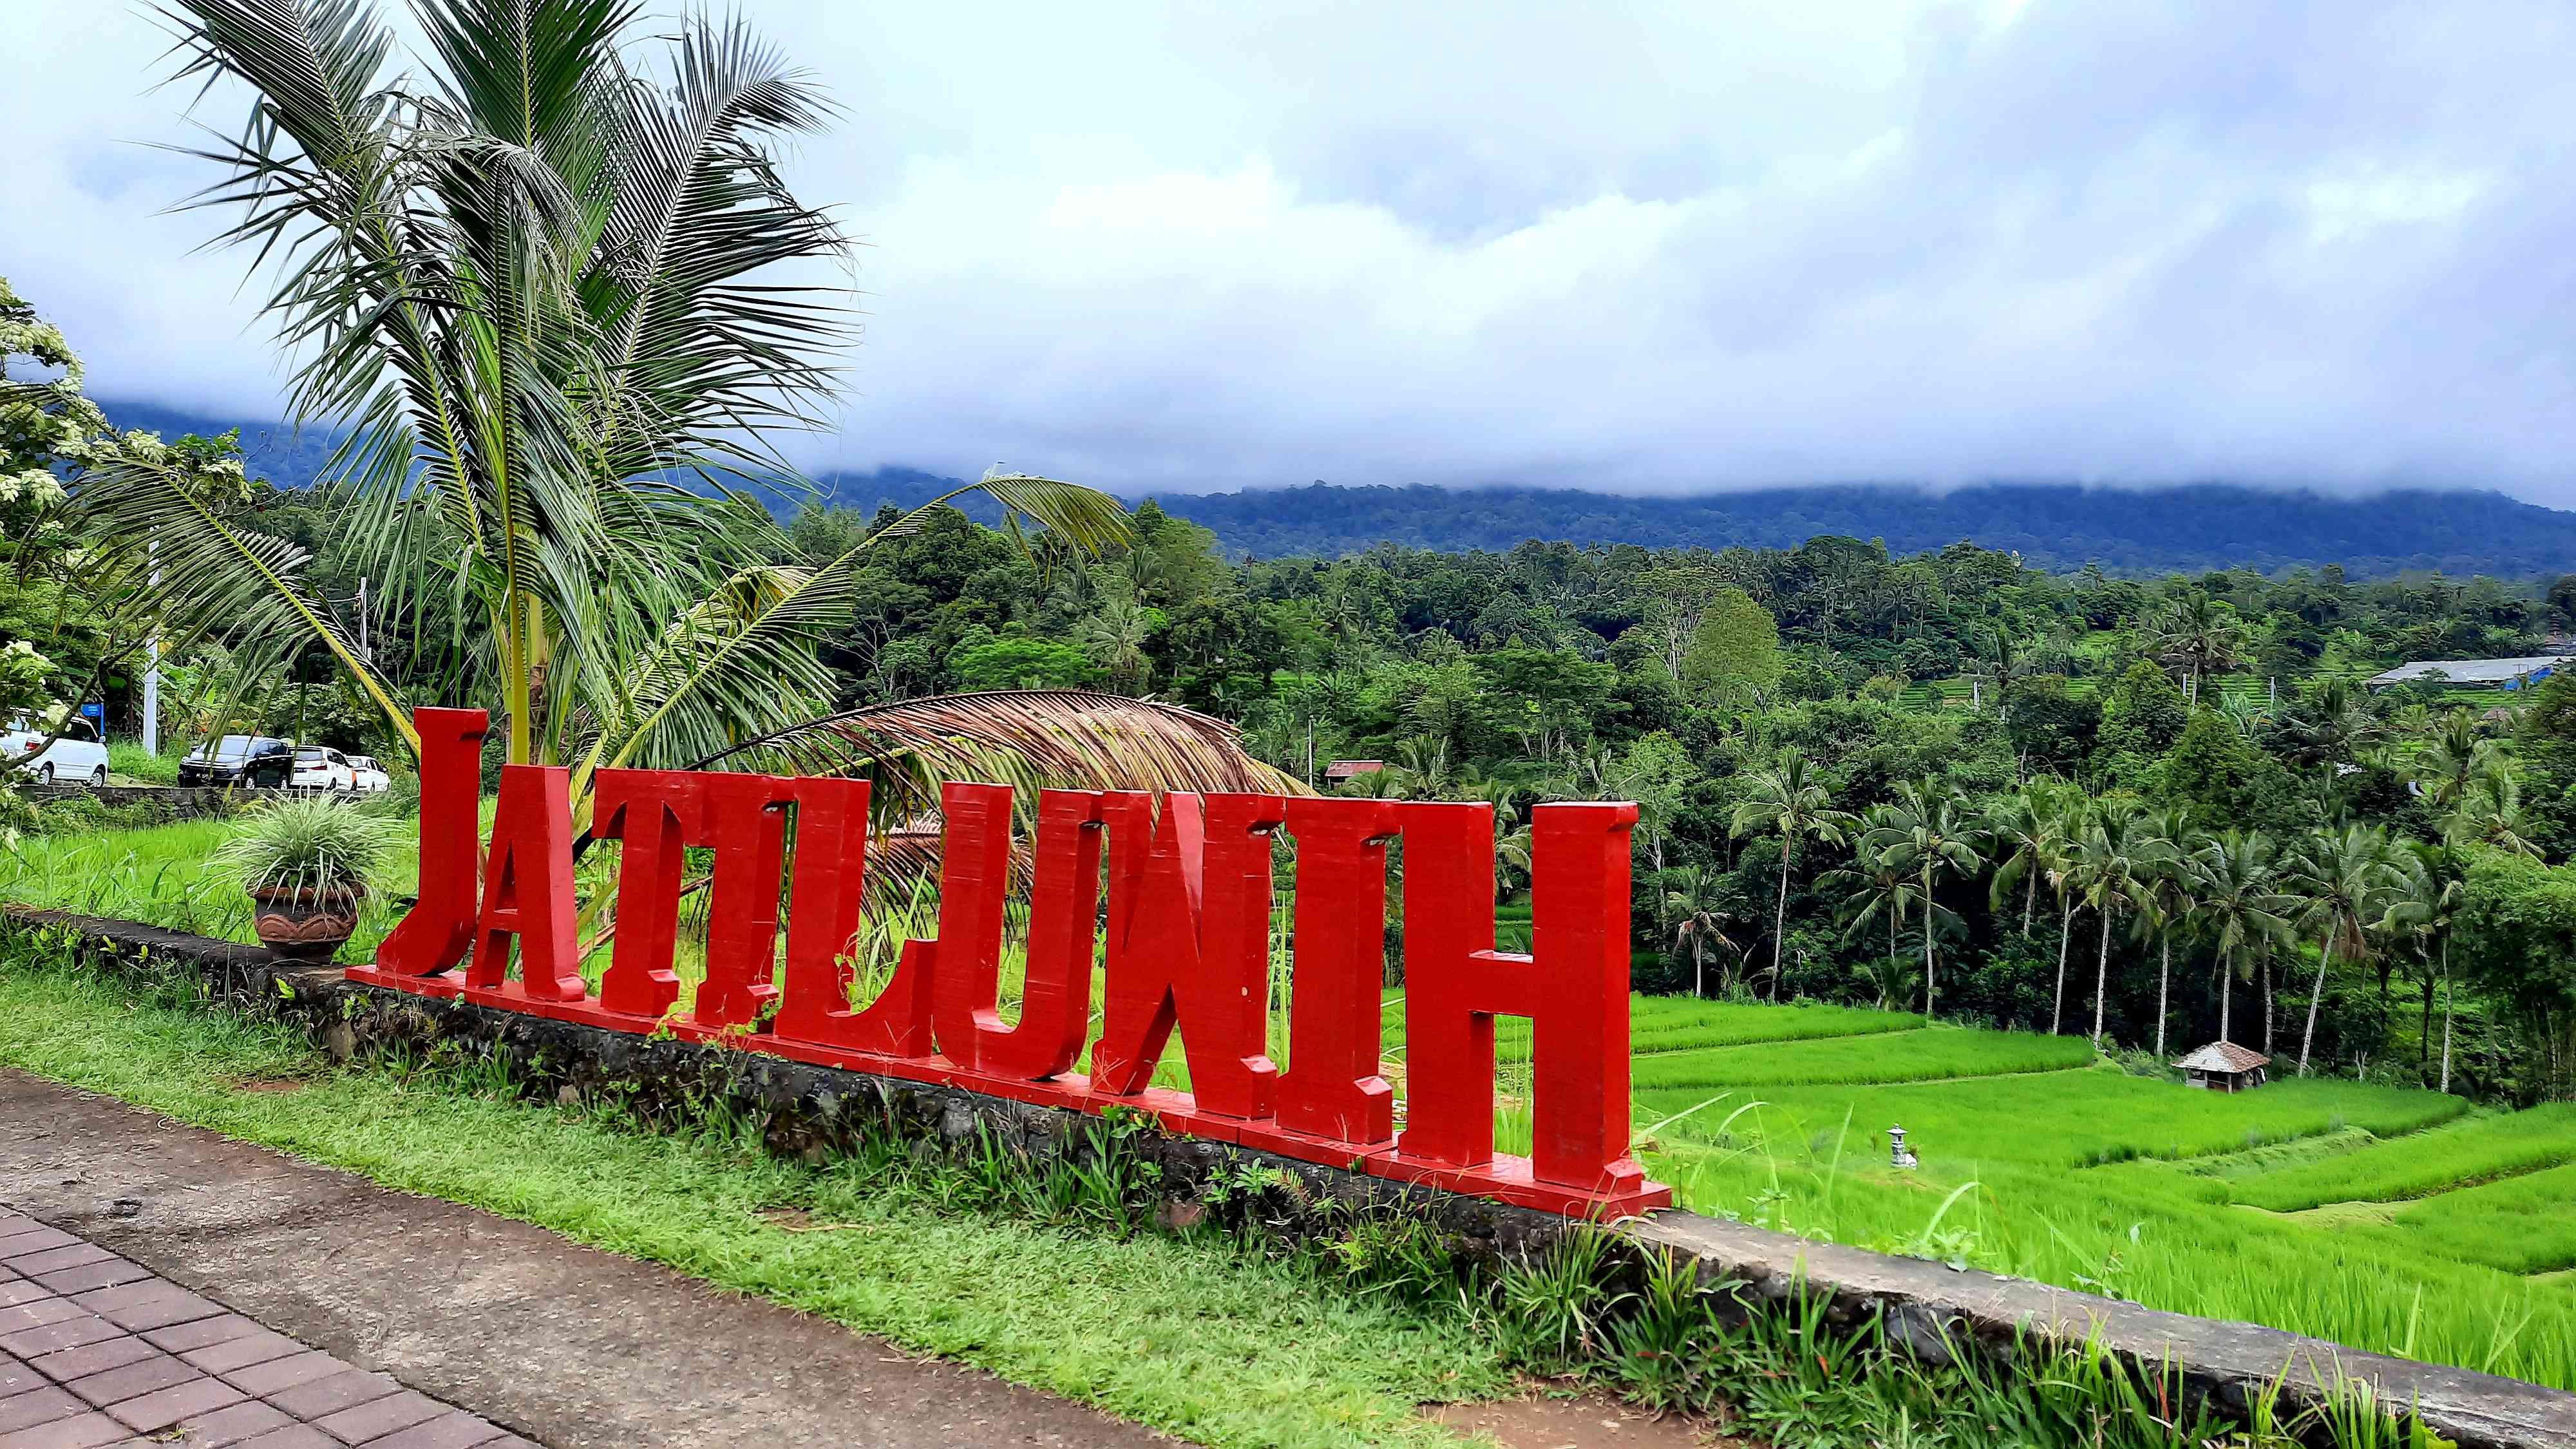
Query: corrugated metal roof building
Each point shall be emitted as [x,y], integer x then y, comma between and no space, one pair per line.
[2475,673]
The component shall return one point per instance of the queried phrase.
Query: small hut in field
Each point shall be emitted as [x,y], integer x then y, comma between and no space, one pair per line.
[2225,1067]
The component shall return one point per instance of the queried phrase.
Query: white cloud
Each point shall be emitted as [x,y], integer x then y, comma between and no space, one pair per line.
[1640,248]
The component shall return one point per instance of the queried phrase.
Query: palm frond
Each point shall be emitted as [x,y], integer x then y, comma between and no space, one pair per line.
[1069,739]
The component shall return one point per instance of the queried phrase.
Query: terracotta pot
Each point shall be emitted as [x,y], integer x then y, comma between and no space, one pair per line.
[304,925]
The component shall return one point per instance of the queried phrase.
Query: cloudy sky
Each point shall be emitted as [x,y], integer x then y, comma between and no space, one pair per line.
[1631,248]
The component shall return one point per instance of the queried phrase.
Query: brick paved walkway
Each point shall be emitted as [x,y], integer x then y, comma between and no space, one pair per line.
[97,1351]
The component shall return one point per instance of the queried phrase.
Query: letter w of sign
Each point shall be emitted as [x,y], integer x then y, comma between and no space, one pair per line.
[1189,947]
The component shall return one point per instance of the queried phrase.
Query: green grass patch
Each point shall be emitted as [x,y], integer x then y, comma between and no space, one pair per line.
[1191,1336]
[2523,1224]
[1927,1054]
[2463,1154]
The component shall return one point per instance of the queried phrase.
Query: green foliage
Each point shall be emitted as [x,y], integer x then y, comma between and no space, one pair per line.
[1735,653]
[983,660]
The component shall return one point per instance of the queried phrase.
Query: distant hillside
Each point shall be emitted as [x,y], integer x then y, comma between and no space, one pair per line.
[2055,527]
[2059,528]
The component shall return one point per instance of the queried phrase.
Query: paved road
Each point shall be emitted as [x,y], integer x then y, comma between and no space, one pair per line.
[564,1345]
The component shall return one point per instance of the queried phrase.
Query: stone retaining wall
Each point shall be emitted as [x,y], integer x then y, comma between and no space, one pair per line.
[162,802]
[1930,1310]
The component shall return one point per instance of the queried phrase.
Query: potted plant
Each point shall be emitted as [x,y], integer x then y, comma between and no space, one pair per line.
[307,864]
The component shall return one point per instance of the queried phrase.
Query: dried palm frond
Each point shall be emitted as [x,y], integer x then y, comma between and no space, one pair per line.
[1068,739]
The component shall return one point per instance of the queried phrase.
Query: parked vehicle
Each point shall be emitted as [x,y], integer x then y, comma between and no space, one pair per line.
[319,767]
[372,777]
[79,757]
[244,760]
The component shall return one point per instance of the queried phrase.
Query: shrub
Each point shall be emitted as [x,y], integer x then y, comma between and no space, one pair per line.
[309,845]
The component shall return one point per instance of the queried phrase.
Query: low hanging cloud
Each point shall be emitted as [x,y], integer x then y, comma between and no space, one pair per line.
[1709,246]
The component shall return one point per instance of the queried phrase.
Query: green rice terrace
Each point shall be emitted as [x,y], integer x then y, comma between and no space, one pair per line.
[2392,1219]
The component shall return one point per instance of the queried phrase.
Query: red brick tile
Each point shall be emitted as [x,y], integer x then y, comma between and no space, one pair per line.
[372,1421]
[52,1260]
[280,1374]
[260,1345]
[202,1333]
[106,1273]
[33,1240]
[175,1306]
[16,1290]
[124,1295]
[293,1436]
[37,1406]
[96,1358]
[17,1378]
[455,1429]
[345,1390]
[86,1432]
[37,1314]
[33,1343]
[131,1381]
[168,1406]
[231,1426]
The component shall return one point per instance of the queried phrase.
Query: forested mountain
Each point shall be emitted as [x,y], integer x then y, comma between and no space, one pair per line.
[2055,528]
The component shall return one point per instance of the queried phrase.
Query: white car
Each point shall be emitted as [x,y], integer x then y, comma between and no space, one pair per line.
[319,767]
[77,758]
[371,776]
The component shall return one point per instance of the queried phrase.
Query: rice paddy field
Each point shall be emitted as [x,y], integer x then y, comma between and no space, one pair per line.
[2394,1220]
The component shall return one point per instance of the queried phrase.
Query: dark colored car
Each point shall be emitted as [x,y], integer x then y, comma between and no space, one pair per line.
[251,760]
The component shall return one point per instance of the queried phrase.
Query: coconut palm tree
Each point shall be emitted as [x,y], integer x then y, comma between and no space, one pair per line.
[1694,906]
[2422,914]
[2489,812]
[1788,798]
[2114,867]
[2347,879]
[1927,832]
[2061,852]
[2196,635]
[1880,887]
[553,303]
[2022,826]
[2458,753]
[2169,895]
[1116,633]
[2238,905]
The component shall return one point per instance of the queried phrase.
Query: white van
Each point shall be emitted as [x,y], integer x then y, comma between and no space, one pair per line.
[77,758]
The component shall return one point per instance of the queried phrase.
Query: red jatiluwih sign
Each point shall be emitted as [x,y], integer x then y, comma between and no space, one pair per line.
[1188,948]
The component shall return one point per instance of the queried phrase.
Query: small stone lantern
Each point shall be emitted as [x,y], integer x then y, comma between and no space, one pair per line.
[1899,1155]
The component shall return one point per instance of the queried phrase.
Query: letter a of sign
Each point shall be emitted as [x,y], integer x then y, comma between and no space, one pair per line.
[527,888]
[440,929]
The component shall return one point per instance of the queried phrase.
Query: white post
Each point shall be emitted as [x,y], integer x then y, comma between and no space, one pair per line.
[152,669]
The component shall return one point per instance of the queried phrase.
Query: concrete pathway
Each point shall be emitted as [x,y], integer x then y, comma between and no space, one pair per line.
[417,1305]
[96,1350]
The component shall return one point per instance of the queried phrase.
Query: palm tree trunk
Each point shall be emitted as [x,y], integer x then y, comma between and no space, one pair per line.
[2065,933]
[2029,896]
[2226,990]
[2267,1006]
[1780,918]
[2446,1014]
[2308,1038]
[1927,943]
[2102,979]
[2164,981]
[2424,1029]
